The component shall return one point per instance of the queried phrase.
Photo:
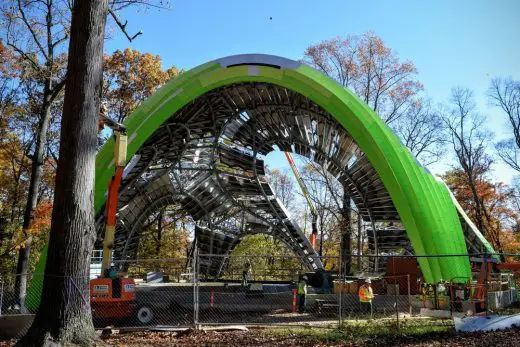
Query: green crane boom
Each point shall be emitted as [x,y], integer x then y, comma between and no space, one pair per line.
[307,196]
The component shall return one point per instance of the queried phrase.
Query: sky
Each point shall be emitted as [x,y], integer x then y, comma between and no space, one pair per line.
[452,43]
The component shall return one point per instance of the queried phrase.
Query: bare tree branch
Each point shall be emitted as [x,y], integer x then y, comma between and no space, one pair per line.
[30,28]
[469,140]
[422,130]
[505,94]
[123,26]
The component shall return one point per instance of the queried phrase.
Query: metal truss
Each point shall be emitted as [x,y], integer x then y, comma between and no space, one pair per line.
[208,160]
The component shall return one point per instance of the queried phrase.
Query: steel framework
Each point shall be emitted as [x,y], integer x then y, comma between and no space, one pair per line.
[200,142]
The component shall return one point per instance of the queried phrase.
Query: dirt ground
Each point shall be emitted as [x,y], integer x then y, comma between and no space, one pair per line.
[260,338]
[256,337]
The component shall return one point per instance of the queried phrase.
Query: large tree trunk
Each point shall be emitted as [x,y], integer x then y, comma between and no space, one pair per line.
[64,315]
[478,206]
[14,204]
[346,235]
[22,267]
[159,233]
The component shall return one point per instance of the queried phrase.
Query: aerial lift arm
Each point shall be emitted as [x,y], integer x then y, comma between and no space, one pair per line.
[113,296]
[113,190]
[305,191]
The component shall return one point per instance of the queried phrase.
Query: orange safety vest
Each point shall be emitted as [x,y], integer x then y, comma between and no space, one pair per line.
[365,294]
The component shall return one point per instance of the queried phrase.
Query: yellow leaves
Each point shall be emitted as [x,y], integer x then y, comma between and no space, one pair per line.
[130,77]
[511,242]
[13,163]
[171,242]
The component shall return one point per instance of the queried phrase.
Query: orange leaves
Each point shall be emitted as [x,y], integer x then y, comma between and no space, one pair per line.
[42,217]
[499,216]
[130,77]
[40,225]
[14,170]
[8,63]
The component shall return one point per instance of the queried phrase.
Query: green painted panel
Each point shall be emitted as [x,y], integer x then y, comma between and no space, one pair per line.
[423,203]
[428,217]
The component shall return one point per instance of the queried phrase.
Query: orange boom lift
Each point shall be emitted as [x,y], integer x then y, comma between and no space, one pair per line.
[113,296]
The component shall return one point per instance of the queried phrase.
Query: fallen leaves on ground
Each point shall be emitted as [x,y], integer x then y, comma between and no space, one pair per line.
[259,338]
[262,338]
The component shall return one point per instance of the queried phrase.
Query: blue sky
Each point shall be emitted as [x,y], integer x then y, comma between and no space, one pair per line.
[452,43]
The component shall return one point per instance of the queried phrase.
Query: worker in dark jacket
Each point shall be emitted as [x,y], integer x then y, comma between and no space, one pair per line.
[302,292]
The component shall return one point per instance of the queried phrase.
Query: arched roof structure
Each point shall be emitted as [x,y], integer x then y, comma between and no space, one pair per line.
[200,140]
[199,143]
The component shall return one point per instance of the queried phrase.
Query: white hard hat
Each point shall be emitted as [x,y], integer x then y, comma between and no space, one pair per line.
[368,281]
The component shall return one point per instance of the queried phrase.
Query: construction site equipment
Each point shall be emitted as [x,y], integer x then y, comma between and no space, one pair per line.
[305,191]
[484,278]
[113,296]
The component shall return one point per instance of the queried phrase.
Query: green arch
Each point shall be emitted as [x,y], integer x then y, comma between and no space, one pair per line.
[423,202]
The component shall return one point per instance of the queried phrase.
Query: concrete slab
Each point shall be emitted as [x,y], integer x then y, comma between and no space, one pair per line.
[490,323]
[426,312]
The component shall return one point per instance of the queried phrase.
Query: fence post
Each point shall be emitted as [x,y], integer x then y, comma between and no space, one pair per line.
[196,288]
[396,289]
[409,296]
[212,300]
[486,283]
[293,301]
[340,292]
[1,295]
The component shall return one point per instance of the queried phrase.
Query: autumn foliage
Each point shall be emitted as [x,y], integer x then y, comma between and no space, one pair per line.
[500,216]
[367,66]
[130,77]
[363,63]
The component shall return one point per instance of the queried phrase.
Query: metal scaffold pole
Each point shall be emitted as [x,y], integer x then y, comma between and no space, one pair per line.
[196,287]
[342,283]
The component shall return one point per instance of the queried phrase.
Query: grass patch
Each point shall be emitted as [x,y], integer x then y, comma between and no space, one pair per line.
[361,332]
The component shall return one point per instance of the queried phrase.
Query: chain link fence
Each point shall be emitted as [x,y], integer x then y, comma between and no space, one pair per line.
[268,290]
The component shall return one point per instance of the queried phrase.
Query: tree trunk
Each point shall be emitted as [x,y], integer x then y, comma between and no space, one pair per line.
[478,208]
[22,267]
[14,205]
[346,235]
[64,315]
[359,241]
[159,233]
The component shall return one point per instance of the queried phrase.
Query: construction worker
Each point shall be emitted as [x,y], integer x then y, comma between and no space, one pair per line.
[246,272]
[427,295]
[365,297]
[302,292]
